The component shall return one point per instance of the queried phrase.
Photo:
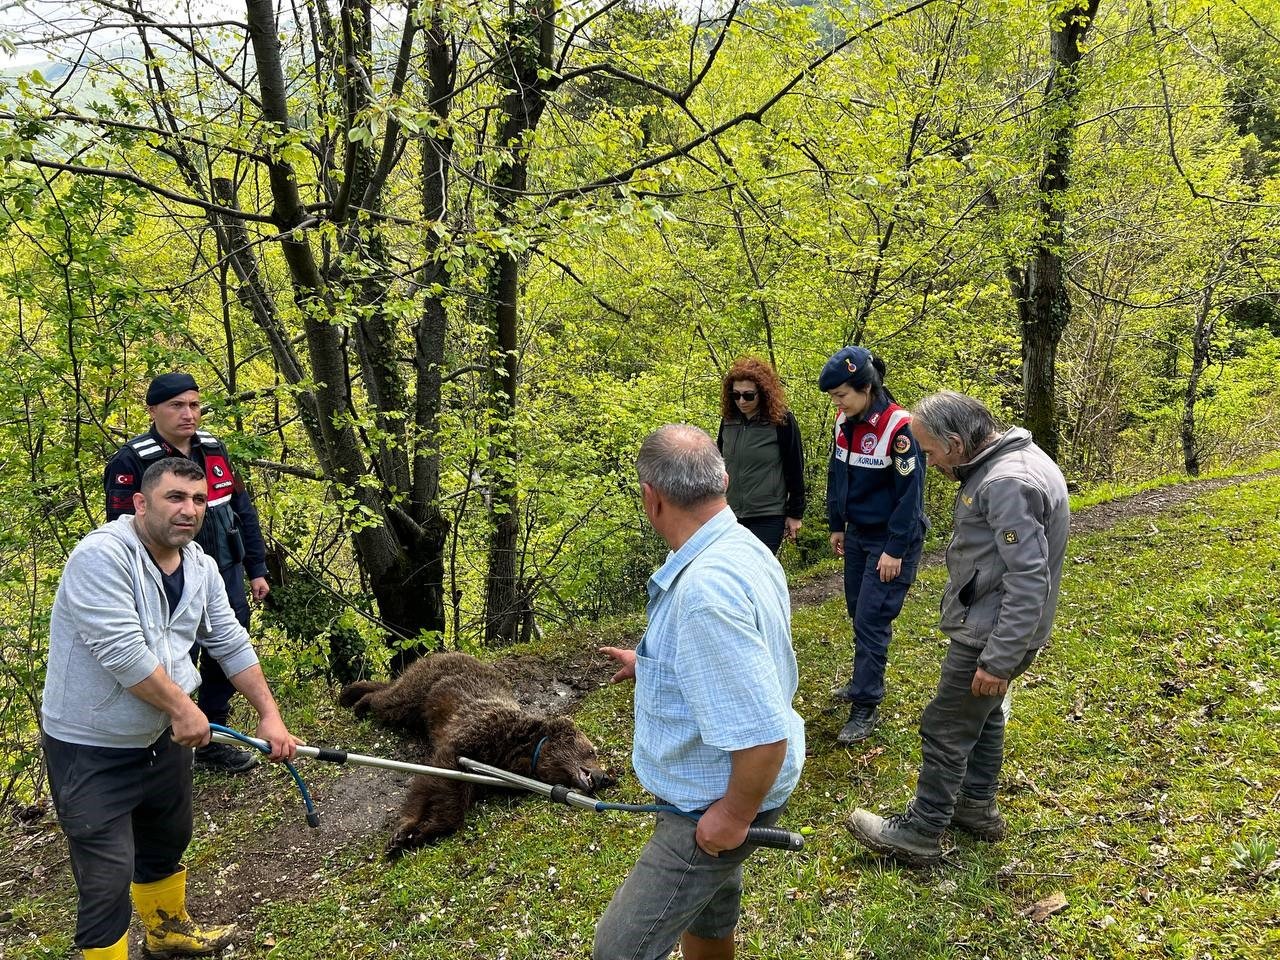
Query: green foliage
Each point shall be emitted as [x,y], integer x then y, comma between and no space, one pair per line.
[884,198]
[1257,859]
[75,321]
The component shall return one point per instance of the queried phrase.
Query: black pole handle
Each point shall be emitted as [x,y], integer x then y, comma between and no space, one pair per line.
[775,837]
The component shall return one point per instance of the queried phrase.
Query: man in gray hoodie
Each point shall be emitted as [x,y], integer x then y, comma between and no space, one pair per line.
[1004,567]
[118,720]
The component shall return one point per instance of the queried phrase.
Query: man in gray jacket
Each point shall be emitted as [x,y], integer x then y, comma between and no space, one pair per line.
[1004,566]
[118,720]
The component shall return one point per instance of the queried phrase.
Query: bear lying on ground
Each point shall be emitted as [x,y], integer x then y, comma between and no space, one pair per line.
[464,708]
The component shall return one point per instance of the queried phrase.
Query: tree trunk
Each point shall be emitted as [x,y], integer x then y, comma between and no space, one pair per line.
[1201,337]
[529,50]
[1044,305]
[401,555]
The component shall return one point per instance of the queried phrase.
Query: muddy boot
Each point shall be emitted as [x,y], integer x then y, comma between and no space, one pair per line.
[862,720]
[170,930]
[117,951]
[981,818]
[899,836]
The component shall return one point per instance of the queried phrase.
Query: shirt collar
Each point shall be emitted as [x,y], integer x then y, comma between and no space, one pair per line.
[677,560]
[1013,437]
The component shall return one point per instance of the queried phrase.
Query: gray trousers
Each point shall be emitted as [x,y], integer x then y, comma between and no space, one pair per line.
[962,740]
[674,887]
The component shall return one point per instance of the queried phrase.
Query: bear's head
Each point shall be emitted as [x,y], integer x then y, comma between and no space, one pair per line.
[567,757]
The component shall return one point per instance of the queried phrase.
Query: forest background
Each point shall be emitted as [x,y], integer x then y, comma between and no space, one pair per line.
[440,266]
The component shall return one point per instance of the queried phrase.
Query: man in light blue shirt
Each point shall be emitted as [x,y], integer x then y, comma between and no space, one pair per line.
[716,735]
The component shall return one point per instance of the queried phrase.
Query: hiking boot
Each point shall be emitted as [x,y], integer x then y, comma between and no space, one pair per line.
[862,720]
[900,836]
[224,758]
[843,693]
[980,818]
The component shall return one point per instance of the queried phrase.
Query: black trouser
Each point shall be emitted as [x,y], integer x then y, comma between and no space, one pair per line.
[873,605]
[126,814]
[962,739]
[215,689]
[768,530]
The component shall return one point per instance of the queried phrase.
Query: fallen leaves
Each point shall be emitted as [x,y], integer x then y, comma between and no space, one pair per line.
[1041,910]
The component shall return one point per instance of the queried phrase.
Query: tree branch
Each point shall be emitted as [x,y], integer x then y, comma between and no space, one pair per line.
[147,185]
[755,115]
[301,472]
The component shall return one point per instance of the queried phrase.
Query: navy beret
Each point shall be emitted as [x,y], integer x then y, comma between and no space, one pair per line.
[851,363]
[169,385]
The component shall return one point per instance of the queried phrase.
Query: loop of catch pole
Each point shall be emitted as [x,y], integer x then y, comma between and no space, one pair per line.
[313,818]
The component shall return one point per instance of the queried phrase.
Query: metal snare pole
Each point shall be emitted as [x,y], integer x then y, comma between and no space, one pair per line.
[482,774]
[330,755]
[774,837]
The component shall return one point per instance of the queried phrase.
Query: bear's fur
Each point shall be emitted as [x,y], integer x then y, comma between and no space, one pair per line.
[464,708]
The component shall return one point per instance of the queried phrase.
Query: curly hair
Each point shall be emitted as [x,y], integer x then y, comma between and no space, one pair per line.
[773,398]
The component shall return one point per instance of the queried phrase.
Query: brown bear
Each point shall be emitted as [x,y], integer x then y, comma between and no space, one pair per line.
[464,708]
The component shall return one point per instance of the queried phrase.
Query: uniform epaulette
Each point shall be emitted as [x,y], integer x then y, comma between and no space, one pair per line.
[146,447]
[207,439]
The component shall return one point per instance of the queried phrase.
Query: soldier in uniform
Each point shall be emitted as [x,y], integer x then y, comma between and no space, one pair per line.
[875,511]
[231,533]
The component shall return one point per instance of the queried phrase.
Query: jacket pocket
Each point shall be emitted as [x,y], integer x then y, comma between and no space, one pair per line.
[235,545]
[129,717]
[112,696]
[982,614]
[956,604]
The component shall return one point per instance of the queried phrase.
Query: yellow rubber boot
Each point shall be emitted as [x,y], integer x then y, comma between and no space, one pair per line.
[117,951]
[170,930]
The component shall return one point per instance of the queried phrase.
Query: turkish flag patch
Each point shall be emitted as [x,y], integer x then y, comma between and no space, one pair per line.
[124,479]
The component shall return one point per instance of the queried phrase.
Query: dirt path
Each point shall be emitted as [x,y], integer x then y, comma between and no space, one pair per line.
[292,860]
[1103,516]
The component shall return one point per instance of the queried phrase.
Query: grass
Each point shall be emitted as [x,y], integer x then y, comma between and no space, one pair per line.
[1102,492]
[1142,783]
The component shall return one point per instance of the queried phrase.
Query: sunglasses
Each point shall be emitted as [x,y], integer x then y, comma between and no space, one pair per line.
[747,395]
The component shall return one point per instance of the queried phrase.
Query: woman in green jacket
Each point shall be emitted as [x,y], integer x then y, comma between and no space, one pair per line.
[763,454]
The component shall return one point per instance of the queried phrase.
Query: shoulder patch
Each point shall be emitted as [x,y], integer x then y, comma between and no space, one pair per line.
[123,480]
[902,444]
[1010,536]
[904,465]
